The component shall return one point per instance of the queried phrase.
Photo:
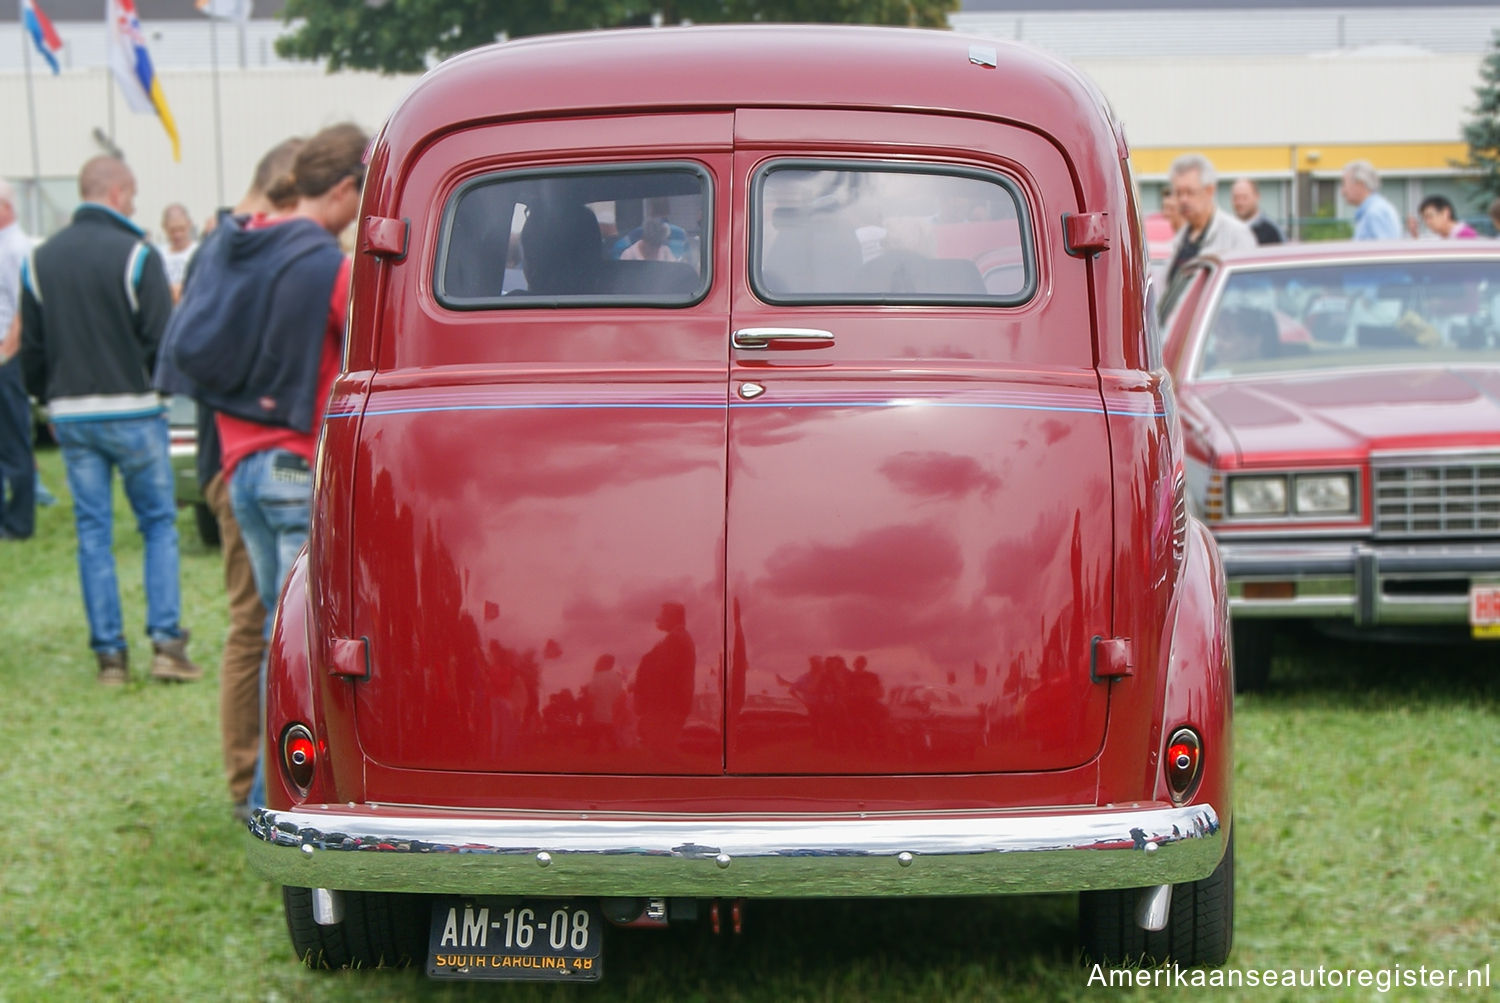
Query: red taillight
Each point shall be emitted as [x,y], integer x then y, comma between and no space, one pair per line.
[1184,757]
[299,755]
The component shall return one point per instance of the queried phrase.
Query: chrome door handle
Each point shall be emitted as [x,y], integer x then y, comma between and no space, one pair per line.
[764,337]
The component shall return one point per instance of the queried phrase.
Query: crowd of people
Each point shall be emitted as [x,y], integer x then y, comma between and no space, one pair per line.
[99,323]
[1189,204]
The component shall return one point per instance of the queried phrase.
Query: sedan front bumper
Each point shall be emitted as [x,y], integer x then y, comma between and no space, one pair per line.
[1416,584]
[384,848]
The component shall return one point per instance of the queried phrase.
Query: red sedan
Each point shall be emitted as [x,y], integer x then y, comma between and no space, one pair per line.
[1341,417]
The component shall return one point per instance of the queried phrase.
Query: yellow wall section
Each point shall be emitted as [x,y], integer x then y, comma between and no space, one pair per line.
[1320,158]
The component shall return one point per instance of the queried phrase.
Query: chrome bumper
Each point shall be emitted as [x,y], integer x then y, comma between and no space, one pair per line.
[425,850]
[1370,585]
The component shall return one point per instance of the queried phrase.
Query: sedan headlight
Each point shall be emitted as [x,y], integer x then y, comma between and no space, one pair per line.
[1323,494]
[1257,496]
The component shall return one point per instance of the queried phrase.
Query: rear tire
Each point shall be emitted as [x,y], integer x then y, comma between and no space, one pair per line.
[1199,931]
[379,929]
[208,525]
[1253,645]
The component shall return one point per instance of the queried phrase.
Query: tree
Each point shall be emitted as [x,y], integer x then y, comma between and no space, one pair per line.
[1482,133]
[404,36]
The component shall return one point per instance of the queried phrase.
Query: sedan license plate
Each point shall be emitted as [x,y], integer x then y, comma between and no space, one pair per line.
[508,939]
[1484,610]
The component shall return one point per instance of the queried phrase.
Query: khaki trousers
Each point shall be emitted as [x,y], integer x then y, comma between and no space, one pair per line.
[239,671]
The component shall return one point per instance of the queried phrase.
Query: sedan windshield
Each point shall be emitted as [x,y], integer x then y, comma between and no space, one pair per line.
[1347,315]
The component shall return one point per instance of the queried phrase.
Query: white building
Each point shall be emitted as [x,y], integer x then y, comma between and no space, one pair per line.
[1286,91]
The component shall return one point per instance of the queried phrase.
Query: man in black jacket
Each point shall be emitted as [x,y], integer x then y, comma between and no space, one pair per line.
[1244,196]
[94,303]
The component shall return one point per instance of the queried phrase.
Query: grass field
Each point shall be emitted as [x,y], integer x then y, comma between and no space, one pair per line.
[1367,836]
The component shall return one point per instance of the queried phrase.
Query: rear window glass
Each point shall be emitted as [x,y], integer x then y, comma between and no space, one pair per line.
[1356,315]
[874,233]
[634,234]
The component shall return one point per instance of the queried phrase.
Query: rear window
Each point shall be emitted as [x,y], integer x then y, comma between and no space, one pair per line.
[628,234]
[876,233]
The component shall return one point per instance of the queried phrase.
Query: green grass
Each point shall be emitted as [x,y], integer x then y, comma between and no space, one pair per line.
[1367,837]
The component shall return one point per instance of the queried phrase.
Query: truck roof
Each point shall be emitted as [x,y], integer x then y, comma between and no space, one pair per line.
[698,68]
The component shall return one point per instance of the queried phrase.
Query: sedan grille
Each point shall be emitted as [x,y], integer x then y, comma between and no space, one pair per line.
[1444,497]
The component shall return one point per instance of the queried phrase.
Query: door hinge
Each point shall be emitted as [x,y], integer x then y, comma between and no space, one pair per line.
[349,657]
[383,237]
[1085,234]
[1110,658]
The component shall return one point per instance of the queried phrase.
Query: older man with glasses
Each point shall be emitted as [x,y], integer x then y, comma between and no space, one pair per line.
[1205,229]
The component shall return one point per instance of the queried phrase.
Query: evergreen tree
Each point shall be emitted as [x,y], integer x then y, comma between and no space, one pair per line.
[402,36]
[1482,133]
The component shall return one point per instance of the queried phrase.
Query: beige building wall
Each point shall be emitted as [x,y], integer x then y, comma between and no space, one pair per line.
[257,109]
[1270,116]
[1347,98]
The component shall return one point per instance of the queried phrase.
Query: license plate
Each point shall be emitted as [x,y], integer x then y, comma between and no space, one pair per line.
[508,939]
[1484,610]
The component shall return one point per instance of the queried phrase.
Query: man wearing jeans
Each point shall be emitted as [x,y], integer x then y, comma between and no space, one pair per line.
[94,303]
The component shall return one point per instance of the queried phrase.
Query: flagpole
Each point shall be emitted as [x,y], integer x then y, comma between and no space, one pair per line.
[213,45]
[36,161]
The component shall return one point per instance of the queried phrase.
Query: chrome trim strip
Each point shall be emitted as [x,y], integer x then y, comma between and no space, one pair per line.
[1350,581]
[345,847]
[1403,457]
[1290,559]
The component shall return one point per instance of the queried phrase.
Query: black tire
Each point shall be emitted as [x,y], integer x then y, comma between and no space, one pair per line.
[1253,645]
[1199,931]
[379,929]
[208,524]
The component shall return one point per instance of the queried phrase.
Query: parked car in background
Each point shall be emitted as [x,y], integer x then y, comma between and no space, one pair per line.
[1341,413]
[1159,236]
[754,476]
[182,420]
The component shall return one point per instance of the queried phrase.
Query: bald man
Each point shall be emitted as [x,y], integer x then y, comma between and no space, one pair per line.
[94,303]
[1244,198]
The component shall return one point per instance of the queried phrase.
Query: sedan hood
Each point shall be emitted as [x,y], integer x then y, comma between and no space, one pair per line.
[1352,413]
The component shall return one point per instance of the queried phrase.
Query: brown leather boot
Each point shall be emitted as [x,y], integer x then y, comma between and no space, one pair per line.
[170,664]
[113,670]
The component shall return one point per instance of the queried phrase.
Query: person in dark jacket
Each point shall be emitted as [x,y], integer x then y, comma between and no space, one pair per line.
[17,463]
[258,337]
[1244,197]
[94,302]
[270,194]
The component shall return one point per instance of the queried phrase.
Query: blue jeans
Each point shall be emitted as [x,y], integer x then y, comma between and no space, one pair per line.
[271,493]
[17,463]
[138,447]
